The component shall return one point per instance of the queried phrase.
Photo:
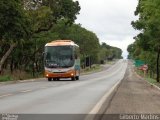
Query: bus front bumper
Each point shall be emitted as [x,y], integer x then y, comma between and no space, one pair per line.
[68,74]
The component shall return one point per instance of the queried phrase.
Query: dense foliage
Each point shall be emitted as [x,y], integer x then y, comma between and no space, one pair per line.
[109,53]
[147,44]
[29,24]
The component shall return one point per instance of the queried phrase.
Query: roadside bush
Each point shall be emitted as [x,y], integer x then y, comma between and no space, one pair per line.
[5,78]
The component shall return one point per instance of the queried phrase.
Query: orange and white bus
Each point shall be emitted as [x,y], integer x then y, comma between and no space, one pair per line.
[61,60]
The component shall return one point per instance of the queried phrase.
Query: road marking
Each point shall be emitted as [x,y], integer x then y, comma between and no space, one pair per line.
[5,95]
[23,81]
[102,100]
[98,106]
[44,87]
[47,86]
[26,91]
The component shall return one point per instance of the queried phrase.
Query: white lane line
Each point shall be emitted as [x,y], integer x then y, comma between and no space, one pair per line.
[5,95]
[98,106]
[24,91]
[47,86]
[23,81]
[103,99]
[44,87]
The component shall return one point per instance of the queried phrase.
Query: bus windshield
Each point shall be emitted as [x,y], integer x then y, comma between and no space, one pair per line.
[59,56]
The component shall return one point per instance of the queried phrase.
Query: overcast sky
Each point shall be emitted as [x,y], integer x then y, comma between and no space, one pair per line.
[110,20]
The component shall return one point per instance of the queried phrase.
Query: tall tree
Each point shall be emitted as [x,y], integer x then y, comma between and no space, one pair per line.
[23,19]
[48,12]
[14,25]
[148,23]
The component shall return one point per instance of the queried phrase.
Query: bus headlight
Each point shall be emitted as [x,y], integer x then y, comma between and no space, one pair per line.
[72,74]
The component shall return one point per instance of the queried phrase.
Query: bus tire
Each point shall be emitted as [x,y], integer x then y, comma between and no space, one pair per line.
[49,79]
[73,78]
[77,77]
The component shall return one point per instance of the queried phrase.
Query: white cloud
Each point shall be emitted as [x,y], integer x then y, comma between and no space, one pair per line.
[110,20]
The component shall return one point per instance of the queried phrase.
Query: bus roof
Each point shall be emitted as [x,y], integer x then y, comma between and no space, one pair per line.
[61,43]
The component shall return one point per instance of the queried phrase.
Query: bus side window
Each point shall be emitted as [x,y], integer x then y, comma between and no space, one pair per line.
[76,53]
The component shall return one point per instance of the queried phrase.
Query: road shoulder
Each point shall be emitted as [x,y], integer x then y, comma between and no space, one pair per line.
[133,96]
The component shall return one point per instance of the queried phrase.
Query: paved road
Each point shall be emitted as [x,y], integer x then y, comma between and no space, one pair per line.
[134,96]
[60,97]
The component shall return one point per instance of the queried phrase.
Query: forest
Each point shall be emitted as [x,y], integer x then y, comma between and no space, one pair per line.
[27,25]
[147,43]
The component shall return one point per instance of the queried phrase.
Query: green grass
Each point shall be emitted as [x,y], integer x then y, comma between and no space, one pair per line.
[94,68]
[153,81]
[147,78]
[4,78]
[110,62]
[139,72]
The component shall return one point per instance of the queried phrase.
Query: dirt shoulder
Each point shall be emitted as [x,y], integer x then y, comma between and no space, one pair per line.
[134,96]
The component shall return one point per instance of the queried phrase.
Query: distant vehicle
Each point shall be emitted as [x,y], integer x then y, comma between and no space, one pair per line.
[61,60]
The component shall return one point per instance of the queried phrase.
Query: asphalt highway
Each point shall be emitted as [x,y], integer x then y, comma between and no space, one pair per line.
[60,97]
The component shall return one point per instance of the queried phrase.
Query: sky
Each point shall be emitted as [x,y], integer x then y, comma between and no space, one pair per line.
[110,20]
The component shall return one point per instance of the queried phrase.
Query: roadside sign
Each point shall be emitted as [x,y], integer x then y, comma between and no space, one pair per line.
[145,67]
[138,63]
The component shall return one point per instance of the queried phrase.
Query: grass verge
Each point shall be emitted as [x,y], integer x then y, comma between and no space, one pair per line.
[21,75]
[94,68]
[147,78]
[5,78]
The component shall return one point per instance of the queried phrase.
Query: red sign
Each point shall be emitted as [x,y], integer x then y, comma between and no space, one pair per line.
[144,67]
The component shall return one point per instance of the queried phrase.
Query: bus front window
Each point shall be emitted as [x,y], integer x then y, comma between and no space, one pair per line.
[59,56]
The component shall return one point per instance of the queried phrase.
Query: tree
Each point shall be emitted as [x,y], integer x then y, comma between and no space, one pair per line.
[14,27]
[87,40]
[148,23]
[138,53]
[46,13]
[111,52]
[23,21]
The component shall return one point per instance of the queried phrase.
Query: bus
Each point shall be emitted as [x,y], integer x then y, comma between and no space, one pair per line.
[61,60]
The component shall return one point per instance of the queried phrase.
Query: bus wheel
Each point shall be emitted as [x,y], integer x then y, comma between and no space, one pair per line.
[73,78]
[77,77]
[54,79]
[49,79]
